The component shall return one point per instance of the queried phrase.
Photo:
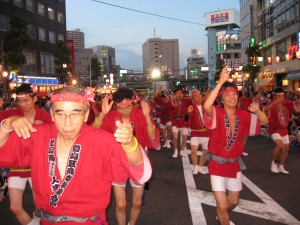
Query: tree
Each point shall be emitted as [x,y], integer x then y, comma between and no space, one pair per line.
[219,67]
[14,42]
[95,70]
[252,68]
[62,57]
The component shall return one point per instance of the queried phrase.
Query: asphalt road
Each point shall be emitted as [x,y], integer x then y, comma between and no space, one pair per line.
[176,197]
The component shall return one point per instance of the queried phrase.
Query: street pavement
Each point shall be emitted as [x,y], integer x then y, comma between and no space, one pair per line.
[177,197]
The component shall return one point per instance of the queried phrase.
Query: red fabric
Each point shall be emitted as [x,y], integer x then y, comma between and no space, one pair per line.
[218,140]
[39,115]
[275,126]
[195,124]
[179,111]
[138,121]
[165,112]
[245,103]
[88,192]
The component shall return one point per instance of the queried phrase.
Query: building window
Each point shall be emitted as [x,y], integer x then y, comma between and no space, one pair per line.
[17,3]
[52,38]
[47,64]
[51,13]
[60,18]
[30,66]
[60,37]
[4,23]
[31,30]
[41,9]
[281,50]
[30,5]
[42,34]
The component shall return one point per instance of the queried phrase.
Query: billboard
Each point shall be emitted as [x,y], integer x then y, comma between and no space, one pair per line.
[222,17]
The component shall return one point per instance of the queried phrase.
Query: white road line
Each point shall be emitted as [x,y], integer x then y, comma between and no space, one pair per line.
[269,210]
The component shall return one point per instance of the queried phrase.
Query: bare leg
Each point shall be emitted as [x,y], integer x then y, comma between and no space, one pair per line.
[194,156]
[222,212]
[202,158]
[284,154]
[183,142]
[277,150]
[137,194]
[169,132]
[16,205]
[120,196]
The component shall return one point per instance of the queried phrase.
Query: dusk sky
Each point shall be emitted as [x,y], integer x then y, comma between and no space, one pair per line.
[117,23]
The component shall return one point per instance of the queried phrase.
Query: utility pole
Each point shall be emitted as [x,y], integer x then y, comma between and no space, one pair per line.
[90,72]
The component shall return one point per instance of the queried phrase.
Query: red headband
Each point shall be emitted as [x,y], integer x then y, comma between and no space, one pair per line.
[73,97]
[25,95]
[125,103]
[227,90]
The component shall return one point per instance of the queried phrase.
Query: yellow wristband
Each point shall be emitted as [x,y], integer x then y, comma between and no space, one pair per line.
[97,121]
[151,129]
[133,149]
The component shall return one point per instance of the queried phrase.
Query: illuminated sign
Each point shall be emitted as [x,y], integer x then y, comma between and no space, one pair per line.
[219,18]
[299,41]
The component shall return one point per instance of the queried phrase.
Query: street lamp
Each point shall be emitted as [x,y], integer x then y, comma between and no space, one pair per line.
[155,75]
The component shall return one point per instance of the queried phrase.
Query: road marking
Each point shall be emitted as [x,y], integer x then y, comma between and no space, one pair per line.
[269,210]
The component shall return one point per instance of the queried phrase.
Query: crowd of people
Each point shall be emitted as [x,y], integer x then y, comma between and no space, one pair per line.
[47,142]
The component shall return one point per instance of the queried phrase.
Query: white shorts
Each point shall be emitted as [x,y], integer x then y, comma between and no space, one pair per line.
[133,184]
[203,141]
[285,139]
[18,182]
[219,183]
[163,126]
[183,130]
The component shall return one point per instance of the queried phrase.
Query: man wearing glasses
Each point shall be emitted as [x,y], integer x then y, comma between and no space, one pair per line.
[18,177]
[71,171]
[146,133]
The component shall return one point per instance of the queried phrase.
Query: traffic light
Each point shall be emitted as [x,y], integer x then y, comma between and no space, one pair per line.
[252,41]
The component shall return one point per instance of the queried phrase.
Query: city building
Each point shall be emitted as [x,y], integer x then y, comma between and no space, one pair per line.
[280,24]
[77,36]
[162,55]
[83,58]
[196,72]
[224,41]
[250,25]
[107,57]
[46,25]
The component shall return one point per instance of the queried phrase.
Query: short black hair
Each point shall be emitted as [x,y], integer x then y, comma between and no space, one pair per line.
[121,94]
[25,89]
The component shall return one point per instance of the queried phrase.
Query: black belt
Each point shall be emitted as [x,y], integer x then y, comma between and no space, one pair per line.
[56,219]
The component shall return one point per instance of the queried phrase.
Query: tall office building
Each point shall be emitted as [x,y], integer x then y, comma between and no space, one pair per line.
[250,27]
[107,57]
[224,41]
[162,54]
[77,36]
[280,24]
[46,25]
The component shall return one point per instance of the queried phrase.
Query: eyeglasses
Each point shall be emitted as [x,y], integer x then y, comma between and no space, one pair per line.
[76,115]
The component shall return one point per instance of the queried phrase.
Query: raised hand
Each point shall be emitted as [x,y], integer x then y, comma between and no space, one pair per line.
[146,108]
[253,107]
[124,133]
[106,105]
[21,125]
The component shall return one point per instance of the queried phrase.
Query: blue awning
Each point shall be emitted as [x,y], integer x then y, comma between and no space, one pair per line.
[293,75]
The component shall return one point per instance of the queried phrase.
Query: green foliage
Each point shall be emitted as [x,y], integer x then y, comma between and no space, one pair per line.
[95,70]
[14,42]
[61,57]
[219,67]
[252,68]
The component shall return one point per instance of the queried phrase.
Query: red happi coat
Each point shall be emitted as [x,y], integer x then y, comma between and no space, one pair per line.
[94,162]
[40,115]
[279,123]
[196,122]
[225,144]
